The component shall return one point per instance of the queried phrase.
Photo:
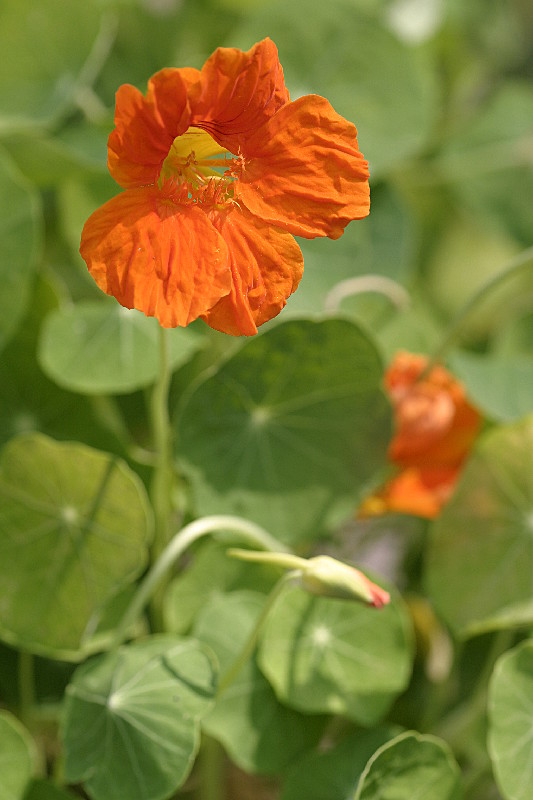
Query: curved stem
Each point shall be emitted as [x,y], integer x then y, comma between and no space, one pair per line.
[249,647]
[379,284]
[177,545]
[520,262]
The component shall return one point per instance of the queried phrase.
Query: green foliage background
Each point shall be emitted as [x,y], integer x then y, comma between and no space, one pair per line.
[288,430]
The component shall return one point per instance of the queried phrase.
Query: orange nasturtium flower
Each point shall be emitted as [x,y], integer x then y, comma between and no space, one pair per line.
[220,170]
[435,428]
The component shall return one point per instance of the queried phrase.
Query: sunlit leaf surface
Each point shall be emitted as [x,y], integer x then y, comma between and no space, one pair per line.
[97,348]
[131,726]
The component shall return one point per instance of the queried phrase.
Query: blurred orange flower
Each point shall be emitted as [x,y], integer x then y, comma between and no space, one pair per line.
[435,428]
[220,171]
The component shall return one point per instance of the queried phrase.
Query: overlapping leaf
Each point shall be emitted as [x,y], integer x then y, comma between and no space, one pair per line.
[131,725]
[409,766]
[259,733]
[289,429]
[334,773]
[75,529]
[29,401]
[100,347]
[336,656]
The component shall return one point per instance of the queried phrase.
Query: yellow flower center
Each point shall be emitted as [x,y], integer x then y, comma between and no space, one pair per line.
[202,170]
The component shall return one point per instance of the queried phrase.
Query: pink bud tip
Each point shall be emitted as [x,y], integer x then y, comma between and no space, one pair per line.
[380,597]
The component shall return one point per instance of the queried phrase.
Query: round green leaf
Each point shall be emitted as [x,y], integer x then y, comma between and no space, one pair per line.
[510,722]
[20,241]
[289,429]
[29,401]
[100,347]
[75,528]
[409,766]
[44,48]
[131,718]
[17,757]
[336,656]
[258,733]
[480,560]
[501,387]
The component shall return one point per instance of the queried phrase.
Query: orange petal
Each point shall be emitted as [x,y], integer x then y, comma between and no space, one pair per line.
[238,92]
[420,492]
[266,265]
[435,423]
[304,171]
[145,127]
[152,254]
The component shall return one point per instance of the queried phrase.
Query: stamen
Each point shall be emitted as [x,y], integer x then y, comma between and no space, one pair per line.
[203,171]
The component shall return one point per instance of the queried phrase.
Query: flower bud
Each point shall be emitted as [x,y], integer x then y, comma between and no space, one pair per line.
[322,576]
[327,577]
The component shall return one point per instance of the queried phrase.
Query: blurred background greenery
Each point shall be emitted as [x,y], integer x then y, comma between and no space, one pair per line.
[442,94]
[440,90]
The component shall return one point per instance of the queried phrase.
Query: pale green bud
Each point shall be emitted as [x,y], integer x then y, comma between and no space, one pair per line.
[323,576]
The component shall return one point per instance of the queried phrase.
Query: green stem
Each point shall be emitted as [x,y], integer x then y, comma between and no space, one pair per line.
[211,770]
[176,547]
[162,440]
[520,262]
[249,647]
[26,686]
[161,490]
